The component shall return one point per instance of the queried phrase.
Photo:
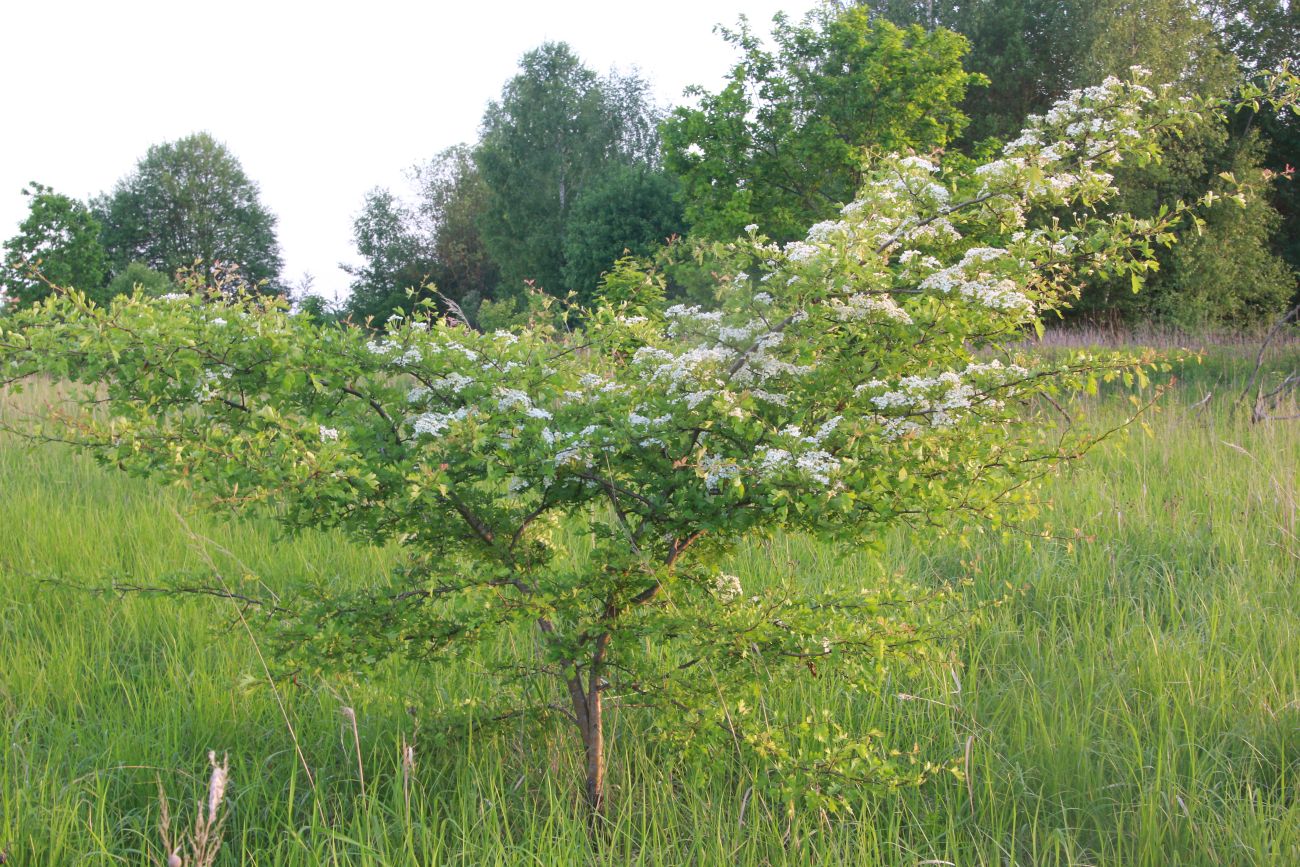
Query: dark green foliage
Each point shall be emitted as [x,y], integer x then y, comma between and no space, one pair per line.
[1226,275]
[433,243]
[190,201]
[1230,272]
[627,209]
[138,274]
[58,243]
[784,143]
[1282,137]
[453,200]
[1225,272]
[397,259]
[1263,34]
[1032,51]
[1260,33]
[317,308]
[557,127]
[1024,47]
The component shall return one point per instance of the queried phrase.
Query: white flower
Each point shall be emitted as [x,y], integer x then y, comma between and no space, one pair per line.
[328,434]
[861,305]
[457,381]
[818,466]
[752,227]
[727,587]
[798,251]
[918,163]
[696,398]
[824,231]
[513,398]
[717,470]
[434,423]
[571,455]
[825,430]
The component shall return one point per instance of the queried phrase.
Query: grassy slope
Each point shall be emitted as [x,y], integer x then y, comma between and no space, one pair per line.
[1136,701]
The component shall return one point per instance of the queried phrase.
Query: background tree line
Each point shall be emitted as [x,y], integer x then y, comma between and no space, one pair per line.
[187,204]
[573,171]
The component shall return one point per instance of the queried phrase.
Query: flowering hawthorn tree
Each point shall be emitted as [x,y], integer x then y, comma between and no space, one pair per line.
[587,484]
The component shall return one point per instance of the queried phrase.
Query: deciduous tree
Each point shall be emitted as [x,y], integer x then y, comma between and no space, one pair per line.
[786,142]
[57,244]
[556,128]
[190,201]
[627,209]
[568,499]
[398,261]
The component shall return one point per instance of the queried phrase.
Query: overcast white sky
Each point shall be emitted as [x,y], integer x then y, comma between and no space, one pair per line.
[319,101]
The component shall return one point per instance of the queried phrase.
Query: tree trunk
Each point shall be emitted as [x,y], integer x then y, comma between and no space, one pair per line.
[588,710]
[593,738]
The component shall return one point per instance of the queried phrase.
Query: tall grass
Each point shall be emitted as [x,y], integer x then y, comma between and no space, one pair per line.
[1130,696]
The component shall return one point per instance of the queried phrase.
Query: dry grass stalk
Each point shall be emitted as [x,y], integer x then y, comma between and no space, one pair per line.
[408,771]
[200,849]
[351,716]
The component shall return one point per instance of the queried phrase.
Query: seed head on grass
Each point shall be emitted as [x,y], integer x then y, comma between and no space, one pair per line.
[205,841]
[217,784]
[350,716]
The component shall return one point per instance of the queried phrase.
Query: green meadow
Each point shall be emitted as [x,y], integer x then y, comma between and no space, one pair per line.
[1128,693]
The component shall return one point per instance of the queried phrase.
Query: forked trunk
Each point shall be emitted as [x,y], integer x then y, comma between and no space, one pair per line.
[588,710]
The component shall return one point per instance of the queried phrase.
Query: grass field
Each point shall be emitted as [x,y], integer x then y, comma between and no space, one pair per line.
[1133,700]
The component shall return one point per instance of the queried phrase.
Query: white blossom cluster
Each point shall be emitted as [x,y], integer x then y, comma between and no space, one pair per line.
[817,437]
[435,423]
[409,356]
[938,400]
[514,399]
[727,587]
[815,464]
[451,380]
[729,357]
[578,448]
[970,279]
[706,384]
[1087,127]
[394,352]
[717,470]
[863,305]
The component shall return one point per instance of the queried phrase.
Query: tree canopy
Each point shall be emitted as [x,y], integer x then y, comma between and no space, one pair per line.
[556,128]
[190,201]
[583,486]
[57,244]
[625,210]
[1035,50]
[786,142]
[432,240]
